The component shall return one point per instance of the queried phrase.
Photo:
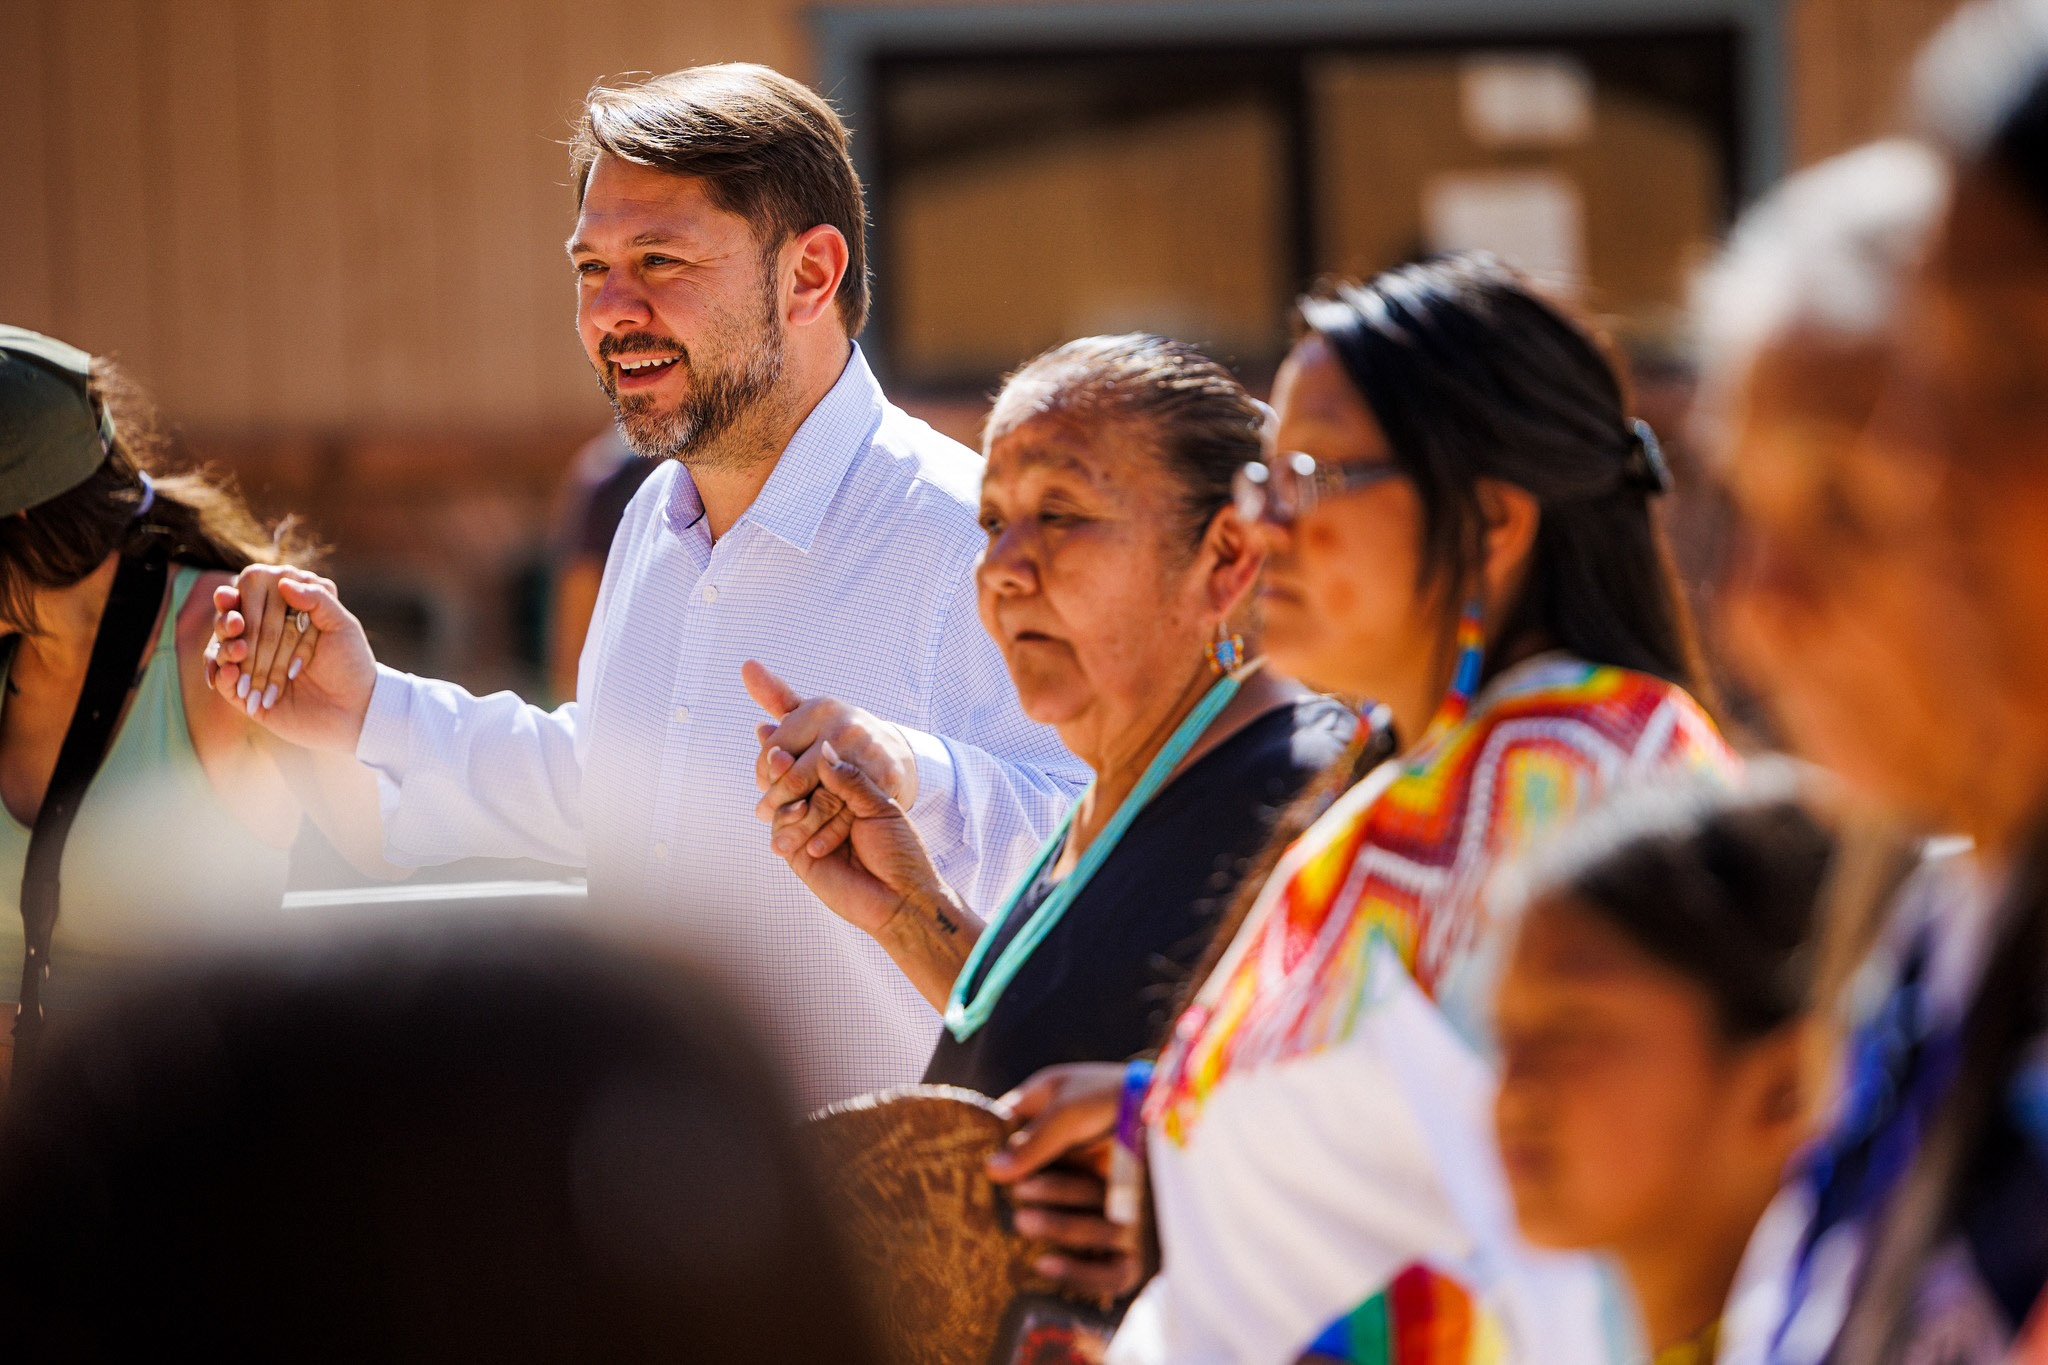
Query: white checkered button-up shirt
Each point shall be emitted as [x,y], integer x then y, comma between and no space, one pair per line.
[851,576]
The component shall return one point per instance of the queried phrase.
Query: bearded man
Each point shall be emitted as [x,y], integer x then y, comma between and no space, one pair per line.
[799,521]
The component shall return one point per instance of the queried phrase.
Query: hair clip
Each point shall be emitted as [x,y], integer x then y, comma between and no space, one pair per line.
[1269,420]
[1647,468]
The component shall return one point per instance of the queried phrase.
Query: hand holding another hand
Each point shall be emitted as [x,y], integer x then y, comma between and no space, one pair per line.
[793,797]
[1057,1167]
[285,650]
[879,873]
[843,828]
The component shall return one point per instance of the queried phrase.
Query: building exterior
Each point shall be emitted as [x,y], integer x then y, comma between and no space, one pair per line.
[327,234]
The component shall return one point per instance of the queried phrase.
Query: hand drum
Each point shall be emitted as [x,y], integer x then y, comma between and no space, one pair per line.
[928,1230]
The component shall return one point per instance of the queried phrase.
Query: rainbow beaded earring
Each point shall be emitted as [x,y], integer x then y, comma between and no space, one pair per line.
[1471,642]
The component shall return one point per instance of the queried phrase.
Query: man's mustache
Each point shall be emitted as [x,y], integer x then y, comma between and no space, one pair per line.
[640,343]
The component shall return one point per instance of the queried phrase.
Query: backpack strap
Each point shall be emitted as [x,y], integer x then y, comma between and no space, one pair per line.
[117,652]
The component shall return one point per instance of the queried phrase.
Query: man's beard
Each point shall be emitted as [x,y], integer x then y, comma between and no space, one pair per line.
[697,430]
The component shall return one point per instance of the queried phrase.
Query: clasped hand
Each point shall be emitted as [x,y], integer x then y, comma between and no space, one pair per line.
[1056,1165]
[287,651]
[836,783]
[788,768]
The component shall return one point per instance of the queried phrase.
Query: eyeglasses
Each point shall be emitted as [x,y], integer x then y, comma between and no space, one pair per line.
[1290,484]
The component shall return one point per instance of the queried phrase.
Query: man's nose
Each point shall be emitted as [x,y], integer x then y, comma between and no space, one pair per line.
[619,303]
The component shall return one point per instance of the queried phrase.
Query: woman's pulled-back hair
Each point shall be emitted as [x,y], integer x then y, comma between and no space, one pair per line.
[1472,375]
[1205,425]
[197,516]
[1719,886]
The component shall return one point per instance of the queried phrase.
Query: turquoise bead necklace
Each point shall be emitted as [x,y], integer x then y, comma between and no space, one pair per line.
[965,1016]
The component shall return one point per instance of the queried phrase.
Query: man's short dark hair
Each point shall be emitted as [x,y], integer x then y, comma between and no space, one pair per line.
[768,148]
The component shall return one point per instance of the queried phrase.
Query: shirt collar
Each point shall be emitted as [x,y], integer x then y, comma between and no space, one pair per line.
[792,504]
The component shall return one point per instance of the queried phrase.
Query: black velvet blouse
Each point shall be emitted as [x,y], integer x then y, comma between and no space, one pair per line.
[1101,985]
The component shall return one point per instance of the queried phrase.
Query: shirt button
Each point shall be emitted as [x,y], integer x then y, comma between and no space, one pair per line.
[682,715]
[661,851]
[710,592]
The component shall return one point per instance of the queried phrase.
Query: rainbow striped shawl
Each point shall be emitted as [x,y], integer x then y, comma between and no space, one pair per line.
[1405,856]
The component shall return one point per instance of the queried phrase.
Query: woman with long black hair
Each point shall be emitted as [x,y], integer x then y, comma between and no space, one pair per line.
[1458,525]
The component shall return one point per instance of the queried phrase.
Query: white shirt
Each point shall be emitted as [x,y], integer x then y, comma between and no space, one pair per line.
[851,576]
[1307,1186]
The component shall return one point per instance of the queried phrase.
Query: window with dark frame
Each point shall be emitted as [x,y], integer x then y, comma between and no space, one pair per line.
[1025,195]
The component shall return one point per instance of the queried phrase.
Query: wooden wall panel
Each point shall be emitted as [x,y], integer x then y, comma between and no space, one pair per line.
[499,239]
[329,216]
[202,210]
[394,176]
[27,285]
[298,248]
[107,263]
[1850,62]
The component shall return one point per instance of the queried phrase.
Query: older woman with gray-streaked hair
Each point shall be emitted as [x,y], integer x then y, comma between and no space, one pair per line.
[1115,581]
[1824,591]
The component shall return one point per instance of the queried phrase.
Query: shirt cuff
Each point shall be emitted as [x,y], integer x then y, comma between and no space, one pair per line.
[385,742]
[937,774]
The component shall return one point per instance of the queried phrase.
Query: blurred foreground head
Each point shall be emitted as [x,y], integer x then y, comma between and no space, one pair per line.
[1976,356]
[1655,1059]
[1838,597]
[482,1142]
[1654,1070]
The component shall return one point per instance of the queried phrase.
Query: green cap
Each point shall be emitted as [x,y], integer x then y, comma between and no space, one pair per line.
[51,438]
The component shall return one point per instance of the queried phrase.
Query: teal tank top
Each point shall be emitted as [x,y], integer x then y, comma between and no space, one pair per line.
[154,861]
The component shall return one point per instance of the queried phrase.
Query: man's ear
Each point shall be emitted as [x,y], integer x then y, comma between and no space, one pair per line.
[813,265]
[1239,555]
[1510,515]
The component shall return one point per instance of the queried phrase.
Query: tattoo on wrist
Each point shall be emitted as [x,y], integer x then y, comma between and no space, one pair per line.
[947,924]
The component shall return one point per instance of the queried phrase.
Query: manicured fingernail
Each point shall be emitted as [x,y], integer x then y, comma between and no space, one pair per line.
[293,671]
[779,762]
[254,703]
[827,752]
[270,696]
[242,687]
